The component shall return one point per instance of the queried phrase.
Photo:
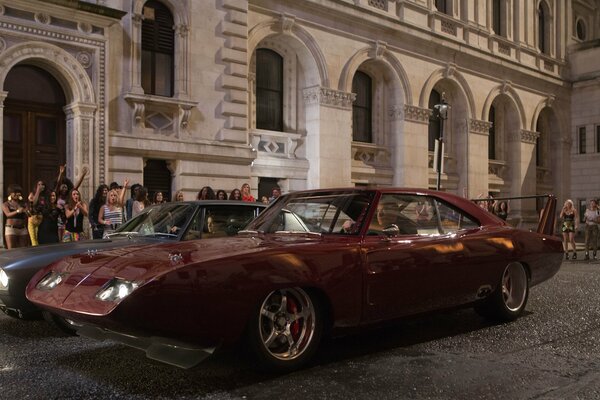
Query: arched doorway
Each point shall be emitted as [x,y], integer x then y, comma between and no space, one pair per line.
[34,127]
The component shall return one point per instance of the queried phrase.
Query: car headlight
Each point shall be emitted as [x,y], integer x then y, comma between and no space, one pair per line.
[50,280]
[116,289]
[3,279]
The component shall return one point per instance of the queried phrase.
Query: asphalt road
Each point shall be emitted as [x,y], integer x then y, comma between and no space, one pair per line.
[552,352]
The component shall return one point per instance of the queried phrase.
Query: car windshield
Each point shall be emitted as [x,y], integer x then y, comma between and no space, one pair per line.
[165,221]
[320,212]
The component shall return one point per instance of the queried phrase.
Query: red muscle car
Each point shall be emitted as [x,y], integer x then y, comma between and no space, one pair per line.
[313,263]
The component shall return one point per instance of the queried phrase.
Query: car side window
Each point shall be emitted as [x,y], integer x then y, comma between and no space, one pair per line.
[411,214]
[452,220]
[221,220]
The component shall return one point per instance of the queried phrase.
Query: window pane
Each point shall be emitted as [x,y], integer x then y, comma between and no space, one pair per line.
[269,90]
[362,108]
[164,74]
[582,140]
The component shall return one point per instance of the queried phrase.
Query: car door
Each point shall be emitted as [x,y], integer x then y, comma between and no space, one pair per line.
[420,266]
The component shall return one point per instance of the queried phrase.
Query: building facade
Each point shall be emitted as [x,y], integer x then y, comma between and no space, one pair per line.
[180,94]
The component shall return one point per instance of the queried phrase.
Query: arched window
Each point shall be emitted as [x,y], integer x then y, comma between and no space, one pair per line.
[434,121]
[498,21]
[269,90]
[158,43]
[543,26]
[362,108]
[580,29]
[492,134]
[443,6]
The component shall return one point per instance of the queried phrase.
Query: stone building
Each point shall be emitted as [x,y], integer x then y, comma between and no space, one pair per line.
[179,94]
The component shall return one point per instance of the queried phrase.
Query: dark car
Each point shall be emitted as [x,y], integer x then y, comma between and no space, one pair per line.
[314,263]
[167,223]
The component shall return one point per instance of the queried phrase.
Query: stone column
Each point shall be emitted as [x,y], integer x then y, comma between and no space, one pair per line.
[478,164]
[410,148]
[80,146]
[136,54]
[328,137]
[3,95]
[523,176]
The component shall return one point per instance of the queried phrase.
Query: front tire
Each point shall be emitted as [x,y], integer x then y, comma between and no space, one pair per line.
[286,328]
[509,299]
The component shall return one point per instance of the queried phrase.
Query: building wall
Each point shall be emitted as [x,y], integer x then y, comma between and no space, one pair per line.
[207,132]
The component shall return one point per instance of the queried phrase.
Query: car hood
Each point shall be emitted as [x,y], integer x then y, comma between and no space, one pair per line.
[40,256]
[86,274]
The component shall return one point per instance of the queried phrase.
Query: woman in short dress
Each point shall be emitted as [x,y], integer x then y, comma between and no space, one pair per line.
[15,211]
[111,213]
[568,214]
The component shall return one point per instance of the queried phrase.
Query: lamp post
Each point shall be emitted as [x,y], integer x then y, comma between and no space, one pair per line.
[441,111]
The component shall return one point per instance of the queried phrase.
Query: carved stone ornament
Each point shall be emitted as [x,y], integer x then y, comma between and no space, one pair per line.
[378,50]
[506,87]
[329,97]
[396,113]
[42,18]
[479,126]
[85,59]
[529,136]
[2,45]
[84,27]
[182,30]
[287,23]
[2,10]
[450,70]
[137,18]
[417,114]
[550,100]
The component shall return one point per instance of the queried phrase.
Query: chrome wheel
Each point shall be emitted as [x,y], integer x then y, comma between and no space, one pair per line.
[287,323]
[514,286]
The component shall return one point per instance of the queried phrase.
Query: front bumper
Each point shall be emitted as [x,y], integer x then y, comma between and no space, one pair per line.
[18,308]
[162,349]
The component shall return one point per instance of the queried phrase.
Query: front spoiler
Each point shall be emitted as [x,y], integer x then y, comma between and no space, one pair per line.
[169,351]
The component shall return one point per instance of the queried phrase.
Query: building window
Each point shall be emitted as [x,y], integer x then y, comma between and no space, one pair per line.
[582,140]
[362,108]
[543,27]
[443,6]
[598,139]
[434,121]
[492,134]
[580,30]
[269,90]
[497,17]
[158,40]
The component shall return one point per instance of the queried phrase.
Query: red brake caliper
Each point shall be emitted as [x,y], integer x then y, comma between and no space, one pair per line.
[293,309]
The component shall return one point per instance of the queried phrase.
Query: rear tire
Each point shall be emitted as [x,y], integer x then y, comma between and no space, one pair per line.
[285,329]
[60,323]
[509,299]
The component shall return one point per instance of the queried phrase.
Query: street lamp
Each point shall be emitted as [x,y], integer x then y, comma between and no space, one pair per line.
[441,112]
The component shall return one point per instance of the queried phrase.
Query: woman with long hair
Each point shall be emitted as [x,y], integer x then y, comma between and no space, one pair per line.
[178,196]
[221,195]
[206,193]
[158,198]
[95,205]
[235,194]
[568,214]
[111,213]
[141,201]
[48,230]
[15,210]
[246,195]
[38,201]
[75,210]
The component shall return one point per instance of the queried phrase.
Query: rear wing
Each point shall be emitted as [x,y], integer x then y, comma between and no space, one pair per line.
[547,214]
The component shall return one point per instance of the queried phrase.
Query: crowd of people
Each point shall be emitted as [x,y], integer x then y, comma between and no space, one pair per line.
[54,215]
[570,224]
[501,208]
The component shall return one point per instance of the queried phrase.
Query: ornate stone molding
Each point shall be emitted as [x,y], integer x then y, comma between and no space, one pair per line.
[85,59]
[137,18]
[287,23]
[329,97]
[506,87]
[396,113]
[378,49]
[479,127]
[529,136]
[84,27]
[182,30]
[417,114]
[450,70]
[2,45]
[43,18]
